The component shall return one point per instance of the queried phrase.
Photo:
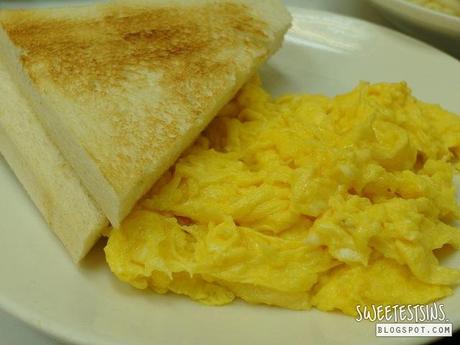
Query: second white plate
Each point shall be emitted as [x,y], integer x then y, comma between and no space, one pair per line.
[441,29]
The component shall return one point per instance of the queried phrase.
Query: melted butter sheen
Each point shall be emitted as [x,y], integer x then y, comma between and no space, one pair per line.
[303,201]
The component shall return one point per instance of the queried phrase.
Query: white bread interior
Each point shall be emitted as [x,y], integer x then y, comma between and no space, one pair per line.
[49,180]
[123,88]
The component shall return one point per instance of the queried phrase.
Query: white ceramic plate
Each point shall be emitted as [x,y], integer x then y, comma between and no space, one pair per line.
[440,28]
[38,283]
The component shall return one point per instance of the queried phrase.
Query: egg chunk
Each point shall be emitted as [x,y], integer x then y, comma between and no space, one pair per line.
[451,7]
[303,201]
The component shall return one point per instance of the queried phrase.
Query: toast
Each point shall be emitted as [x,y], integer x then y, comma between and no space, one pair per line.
[123,88]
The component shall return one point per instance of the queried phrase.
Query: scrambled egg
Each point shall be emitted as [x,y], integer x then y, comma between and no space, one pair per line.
[303,201]
[451,7]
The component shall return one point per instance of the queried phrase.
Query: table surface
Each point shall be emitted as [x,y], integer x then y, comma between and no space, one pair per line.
[14,332]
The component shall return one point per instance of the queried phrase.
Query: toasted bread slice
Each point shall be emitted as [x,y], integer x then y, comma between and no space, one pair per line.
[50,181]
[123,88]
